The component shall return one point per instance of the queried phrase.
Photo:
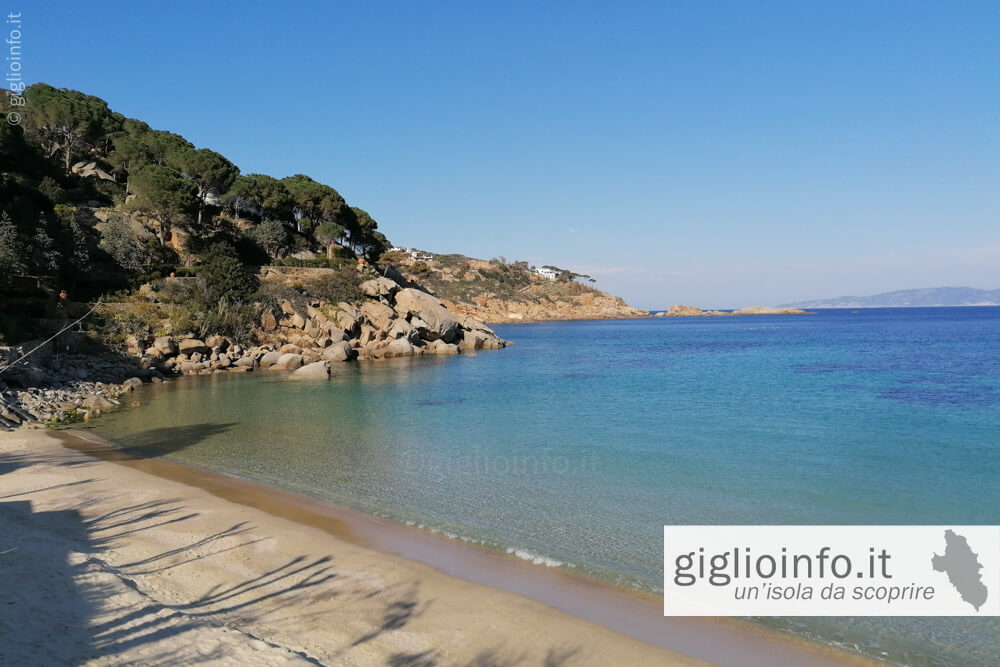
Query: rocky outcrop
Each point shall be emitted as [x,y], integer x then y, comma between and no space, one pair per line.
[591,305]
[378,314]
[314,335]
[70,385]
[91,170]
[304,340]
[693,311]
[165,345]
[432,314]
[679,310]
[765,310]
[410,322]
[379,287]
[191,346]
[498,291]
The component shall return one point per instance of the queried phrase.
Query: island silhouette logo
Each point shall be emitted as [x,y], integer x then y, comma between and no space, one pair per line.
[963,567]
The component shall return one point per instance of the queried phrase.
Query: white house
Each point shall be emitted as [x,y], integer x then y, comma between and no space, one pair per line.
[413,253]
[551,274]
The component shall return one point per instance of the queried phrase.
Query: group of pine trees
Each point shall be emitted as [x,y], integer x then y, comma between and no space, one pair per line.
[151,176]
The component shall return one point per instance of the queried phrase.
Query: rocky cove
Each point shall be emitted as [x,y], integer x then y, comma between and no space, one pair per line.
[72,378]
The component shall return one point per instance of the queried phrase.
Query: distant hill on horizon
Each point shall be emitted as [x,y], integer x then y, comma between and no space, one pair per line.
[909,298]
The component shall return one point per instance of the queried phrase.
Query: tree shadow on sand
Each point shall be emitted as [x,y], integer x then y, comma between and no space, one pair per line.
[66,599]
[69,596]
[397,613]
[64,610]
[495,657]
[144,444]
[155,442]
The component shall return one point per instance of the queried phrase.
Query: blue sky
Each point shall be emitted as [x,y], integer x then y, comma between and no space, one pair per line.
[720,154]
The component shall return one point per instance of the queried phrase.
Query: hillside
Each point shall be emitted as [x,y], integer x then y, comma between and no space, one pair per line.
[498,291]
[128,255]
[143,256]
[97,205]
[910,298]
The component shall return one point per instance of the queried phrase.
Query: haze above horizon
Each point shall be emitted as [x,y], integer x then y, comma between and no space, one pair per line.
[719,154]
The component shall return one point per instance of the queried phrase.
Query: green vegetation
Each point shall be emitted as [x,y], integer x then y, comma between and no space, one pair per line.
[340,285]
[92,202]
[317,262]
[460,278]
[71,416]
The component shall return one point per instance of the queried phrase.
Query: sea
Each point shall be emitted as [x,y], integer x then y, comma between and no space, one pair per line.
[573,447]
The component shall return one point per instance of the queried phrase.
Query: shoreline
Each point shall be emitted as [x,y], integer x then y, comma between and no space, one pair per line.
[584,601]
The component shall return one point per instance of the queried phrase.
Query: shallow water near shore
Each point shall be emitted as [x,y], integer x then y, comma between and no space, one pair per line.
[573,447]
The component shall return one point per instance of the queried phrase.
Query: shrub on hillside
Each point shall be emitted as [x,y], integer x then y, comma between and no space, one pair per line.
[317,262]
[342,284]
[225,277]
[133,252]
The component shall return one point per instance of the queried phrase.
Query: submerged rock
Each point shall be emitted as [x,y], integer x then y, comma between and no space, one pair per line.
[132,384]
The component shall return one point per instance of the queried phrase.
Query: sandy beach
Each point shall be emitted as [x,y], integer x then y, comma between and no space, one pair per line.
[104,562]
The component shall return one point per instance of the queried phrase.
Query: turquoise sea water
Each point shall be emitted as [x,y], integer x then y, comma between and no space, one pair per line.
[574,447]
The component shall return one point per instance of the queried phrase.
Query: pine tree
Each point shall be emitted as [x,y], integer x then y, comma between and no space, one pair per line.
[11,250]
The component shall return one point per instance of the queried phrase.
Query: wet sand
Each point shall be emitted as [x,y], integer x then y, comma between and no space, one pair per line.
[109,557]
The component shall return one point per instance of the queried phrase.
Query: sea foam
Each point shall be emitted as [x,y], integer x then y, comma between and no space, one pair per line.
[534,558]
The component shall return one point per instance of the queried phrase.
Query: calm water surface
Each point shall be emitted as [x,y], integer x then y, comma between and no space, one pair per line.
[573,447]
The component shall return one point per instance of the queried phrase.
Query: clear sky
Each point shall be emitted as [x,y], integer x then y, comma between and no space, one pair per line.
[719,154]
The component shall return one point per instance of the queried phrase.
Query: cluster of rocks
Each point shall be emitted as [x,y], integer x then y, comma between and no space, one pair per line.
[400,322]
[307,339]
[55,386]
[679,310]
[75,399]
[304,340]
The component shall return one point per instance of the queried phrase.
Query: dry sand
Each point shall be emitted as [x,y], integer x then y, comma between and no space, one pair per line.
[102,562]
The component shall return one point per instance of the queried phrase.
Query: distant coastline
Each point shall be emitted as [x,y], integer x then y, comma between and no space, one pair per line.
[931,297]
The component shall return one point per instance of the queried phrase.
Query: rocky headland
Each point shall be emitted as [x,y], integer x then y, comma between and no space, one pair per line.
[679,310]
[502,292]
[589,306]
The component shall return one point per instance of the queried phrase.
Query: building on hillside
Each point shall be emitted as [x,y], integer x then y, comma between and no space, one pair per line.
[412,252]
[546,272]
